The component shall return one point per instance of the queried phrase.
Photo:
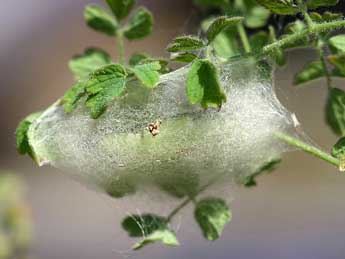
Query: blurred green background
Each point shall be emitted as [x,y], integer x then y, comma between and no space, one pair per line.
[296,212]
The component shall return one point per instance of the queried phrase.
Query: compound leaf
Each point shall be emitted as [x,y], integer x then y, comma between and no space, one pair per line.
[184,57]
[137,58]
[283,7]
[148,73]
[98,19]
[212,214]
[72,96]
[311,71]
[185,43]
[166,236]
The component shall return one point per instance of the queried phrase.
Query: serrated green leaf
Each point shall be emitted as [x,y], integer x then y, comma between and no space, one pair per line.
[104,85]
[137,58]
[335,111]
[140,24]
[184,57]
[313,4]
[258,40]
[72,96]
[147,73]
[121,8]
[211,3]
[325,17]
[283,7]
[337,43]
[203,85]
[92,59]
[185,43]
[257,17]
[143,225]
[166,236]
[219,24]
[98,19]
[267,167]
[212,215]
[22,140]
[338,61]
[311,71]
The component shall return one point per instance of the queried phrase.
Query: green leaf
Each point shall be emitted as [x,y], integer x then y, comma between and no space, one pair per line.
[219,25]
[311,71]
[22,140]
[148,73]
[337,43]
[313,4]
[257,17]
[185,43]
[212,214]
[72,96]
[211,3]
[92,59]
[103,86]
[140,25]
[98,19]
[184,57]
[137,58]
[203,85]
[338,61]
[338,150]
[258,40]
[335,111]
[121,8]
[166,236]
[283,7]
[267,167]
[143,225]
[325,17]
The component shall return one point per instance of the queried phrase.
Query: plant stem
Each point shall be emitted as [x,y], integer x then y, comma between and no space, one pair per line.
[324,65]
[303,8]
[189,199]
[317,28]
[120,47]
[307,148]
[244,38]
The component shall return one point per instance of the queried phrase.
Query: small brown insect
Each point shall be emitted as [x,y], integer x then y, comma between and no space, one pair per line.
[154,127]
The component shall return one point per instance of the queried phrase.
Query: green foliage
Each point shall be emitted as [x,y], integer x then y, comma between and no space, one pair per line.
[219,25]
[338,150]
[103,86]
[313,4]
[283,7]
[185,43]
[211,3]
[256,17]
[335,111]
[294,28]
[278,54]
[337,43]
[83,65]
[140,25]
[22,140]
[98,19]
[212,214]
[339,62]
[184,57]
[72,96]
[147,73]
[258,40]
[121,8]
[325,17]
[151,227]
[267,167]
[137,58]
[203,85]
[311,71]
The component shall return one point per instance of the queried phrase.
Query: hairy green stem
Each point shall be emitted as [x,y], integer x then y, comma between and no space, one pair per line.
[325,68]
[317,28]
[120,47]
[307,148]
[244,38]
[303,9]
